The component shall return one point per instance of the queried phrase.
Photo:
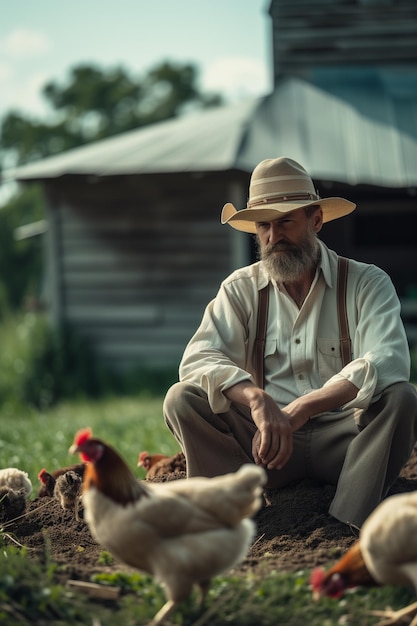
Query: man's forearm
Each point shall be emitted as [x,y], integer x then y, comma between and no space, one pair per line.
[321,400]
[244,393]
[303,408]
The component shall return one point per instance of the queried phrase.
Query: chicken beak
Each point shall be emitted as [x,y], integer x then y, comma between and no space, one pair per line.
[73,449]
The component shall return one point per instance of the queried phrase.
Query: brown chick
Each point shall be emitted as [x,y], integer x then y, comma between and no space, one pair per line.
[47,479]
[67,491]
[182,532]
[158,464]
[384,554]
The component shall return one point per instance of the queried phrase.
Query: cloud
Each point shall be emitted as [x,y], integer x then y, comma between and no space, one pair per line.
[24,42]
[236,77]
[25,94]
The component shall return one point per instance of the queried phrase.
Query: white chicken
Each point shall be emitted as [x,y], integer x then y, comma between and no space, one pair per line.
[182,532]
[16,479]
[384,554]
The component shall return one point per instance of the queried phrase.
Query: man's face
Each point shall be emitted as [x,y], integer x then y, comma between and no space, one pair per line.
[288,246]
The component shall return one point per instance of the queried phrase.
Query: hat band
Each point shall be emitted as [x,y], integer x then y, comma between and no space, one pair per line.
[277,199]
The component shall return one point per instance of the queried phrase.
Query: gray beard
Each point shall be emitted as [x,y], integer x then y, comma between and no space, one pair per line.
[293,261]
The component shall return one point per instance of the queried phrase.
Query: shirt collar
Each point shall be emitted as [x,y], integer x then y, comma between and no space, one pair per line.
[324,264]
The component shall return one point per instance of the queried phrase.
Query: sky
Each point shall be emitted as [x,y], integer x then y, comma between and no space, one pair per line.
[41,40]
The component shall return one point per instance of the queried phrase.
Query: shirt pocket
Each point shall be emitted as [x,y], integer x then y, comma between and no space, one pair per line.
[271,359]
[329,357]
[271,347]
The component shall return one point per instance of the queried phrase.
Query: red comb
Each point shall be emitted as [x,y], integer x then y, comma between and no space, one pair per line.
[316,578]
[42,473]
[82,435]
[143,455]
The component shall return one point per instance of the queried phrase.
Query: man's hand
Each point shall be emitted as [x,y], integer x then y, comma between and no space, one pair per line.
[272,443]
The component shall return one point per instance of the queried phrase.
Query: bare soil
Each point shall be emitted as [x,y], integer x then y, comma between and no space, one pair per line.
[295,532]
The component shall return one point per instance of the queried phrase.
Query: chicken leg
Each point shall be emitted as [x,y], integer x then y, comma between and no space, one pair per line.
[163,613]
[396,617]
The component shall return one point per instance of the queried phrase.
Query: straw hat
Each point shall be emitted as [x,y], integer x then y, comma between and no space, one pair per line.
[278,186]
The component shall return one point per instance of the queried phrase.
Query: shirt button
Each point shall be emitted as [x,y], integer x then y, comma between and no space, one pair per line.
[300,376]
[298,341]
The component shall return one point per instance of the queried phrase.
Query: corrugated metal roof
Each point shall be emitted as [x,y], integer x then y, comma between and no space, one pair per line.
[355,128]
[348,129]
[204,141]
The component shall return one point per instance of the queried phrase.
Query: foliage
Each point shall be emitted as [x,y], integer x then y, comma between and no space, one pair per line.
[94,103]
[20,260]
[31,438]
[40,366]
[29,592]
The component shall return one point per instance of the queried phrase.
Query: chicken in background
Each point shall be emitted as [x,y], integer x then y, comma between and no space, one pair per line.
[384,554]
[48,478]
[12,504]
[182,532]
[67,491]
[16,479]
[48,483]
[158,464]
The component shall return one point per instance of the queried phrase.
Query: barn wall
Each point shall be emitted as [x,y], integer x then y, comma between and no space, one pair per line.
[335,33]
[135,261]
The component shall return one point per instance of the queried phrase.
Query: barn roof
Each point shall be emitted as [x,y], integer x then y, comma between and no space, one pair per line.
[357,128]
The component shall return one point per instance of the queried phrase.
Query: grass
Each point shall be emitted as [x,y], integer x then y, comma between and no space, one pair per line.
[29,593]
[32,439]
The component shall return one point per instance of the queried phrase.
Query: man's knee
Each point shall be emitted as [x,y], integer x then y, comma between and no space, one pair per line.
[398,403]
[402,397]
[180,398]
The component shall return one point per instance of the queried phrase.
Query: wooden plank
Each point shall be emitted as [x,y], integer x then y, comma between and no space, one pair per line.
[104,592]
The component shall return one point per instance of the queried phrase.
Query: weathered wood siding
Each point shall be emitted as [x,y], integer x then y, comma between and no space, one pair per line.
[135,261]
[308,34]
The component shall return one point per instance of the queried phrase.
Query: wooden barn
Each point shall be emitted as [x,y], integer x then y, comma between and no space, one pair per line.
[135,248]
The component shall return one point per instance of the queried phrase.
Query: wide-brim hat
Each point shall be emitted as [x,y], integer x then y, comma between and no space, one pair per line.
[278,186]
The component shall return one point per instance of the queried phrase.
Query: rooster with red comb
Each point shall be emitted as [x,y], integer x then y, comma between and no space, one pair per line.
[182,532]
[384,554]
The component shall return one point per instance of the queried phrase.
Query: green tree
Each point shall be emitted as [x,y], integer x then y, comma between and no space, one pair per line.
[94,103]
[20,260]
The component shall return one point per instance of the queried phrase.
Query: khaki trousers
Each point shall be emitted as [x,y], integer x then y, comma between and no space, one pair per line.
[363,454]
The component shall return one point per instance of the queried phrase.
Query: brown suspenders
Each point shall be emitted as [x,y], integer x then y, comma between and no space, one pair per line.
[345,343]
[262,320]
[261,334]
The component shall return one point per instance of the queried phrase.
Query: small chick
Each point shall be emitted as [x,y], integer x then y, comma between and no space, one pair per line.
[16,479]
[48,478]
[67,491]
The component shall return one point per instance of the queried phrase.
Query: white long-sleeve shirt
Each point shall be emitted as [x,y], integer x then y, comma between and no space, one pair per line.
[302,349]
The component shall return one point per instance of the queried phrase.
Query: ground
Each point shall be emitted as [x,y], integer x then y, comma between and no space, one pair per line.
[295,532]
